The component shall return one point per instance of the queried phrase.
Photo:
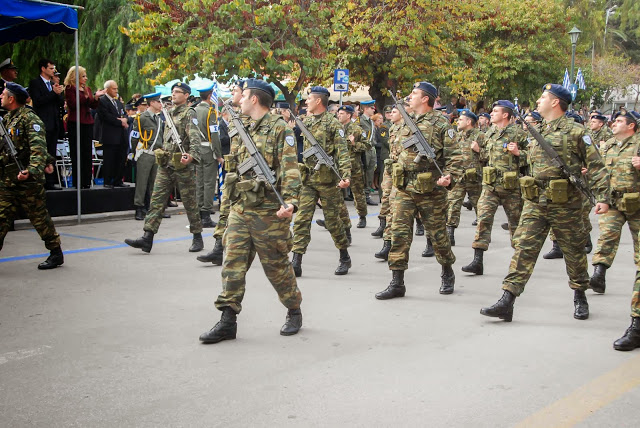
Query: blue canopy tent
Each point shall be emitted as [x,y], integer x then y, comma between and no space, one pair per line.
[28,19]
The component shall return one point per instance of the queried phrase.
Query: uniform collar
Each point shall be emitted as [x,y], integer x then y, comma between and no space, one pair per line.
[264,119]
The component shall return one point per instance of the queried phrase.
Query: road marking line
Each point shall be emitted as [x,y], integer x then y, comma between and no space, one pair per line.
[589,398]
[22,354]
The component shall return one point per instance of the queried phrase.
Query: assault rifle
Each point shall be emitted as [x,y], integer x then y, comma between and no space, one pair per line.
[7,144]
[416,139]
[256,162]
[557,161]
[174,132]
[316,149]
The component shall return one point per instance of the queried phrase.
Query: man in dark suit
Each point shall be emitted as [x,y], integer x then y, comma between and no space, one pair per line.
[48,97]
[114,136]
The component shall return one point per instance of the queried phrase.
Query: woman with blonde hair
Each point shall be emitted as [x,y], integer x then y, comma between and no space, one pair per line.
[87,102]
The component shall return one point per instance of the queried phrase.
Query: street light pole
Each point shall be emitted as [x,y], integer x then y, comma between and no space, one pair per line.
[573,35]
[610,12]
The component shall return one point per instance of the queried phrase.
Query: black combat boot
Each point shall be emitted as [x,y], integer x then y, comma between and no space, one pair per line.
[396,287]
[362,223]
[555,253]
[380,230]
[451,231]
[580,305]
[384,252]
[419,227]
[205,218]
[348,233]
[631,338]
[428,251]
[467,204]
[197,244]
[476,266]
[448,280]
[370,202]
[502,309]
[598,281]
[55,259]
[474,222]
[214,256]
[345,263]
[320,222]
[293,322]
[144,243]
[139,213]
[225,329]
[296,262]
[588,247]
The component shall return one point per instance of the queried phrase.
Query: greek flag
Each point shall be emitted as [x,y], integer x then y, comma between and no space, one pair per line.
[580,80]
[214,98]
[566,82]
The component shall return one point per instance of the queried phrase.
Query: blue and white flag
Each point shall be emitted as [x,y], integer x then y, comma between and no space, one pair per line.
[214,98]
[580,80]
[566,82]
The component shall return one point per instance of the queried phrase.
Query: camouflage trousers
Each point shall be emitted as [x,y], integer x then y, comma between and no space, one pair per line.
[206,175]
[221,226]
[344,214]
[31,198]
[490,199]
[146,170]
[635,297]
[586,222]
[357,188]
[610,225]
[387,201]
[432,210]
[331,200]
[166,179]
[260,232]
[455,197]
[530,235]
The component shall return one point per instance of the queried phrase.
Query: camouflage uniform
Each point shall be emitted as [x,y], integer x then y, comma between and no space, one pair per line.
[418,193]
[146,137]
[635,296]
[359,146]
[601,136]
[388,190]
[471,181]
[210,151]
[495,193]
[29,137]
[368,158]
[624,180]
[322,183]
[540,212]
[253,226]
[171,172]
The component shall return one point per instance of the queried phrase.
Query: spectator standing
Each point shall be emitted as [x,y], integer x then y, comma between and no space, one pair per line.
[114,135]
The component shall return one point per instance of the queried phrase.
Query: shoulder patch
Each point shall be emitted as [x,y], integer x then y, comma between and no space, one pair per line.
[341,132]
[587,140]
[195,121]
[36,127]
[290,140]
[135,134]
[451,132]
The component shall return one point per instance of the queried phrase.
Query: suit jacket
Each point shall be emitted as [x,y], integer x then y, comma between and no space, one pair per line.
[112,133]
[46,104]
[225,141]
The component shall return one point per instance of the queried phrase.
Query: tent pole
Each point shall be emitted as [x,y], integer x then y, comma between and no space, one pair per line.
[78,183]
[58,4]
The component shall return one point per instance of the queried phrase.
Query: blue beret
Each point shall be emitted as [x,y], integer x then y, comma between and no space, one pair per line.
[260,85]
[637,116]
[628,114]
[469,114]
[20,93]
[367,103]
[208,88]
[558,90]
[601,117]
[487,115]
[575,116]
[348,109]
[597,112]
[535,115]
[426,87]
[319,90]
[505,104]
[283,105]
[152,97]
[182,86]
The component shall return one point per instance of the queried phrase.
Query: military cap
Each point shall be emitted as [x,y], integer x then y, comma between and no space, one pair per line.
[166,99]
[260,85]
[7,64]
[575,116]
[628,114]
[600,117]
[283,105]
[152,97]
[426,87]
[368,103]
[208,88]
[469,114]
[18,91]
[535,115]
[487,115]
[505,104]
[558,90]
[320,90]
[129,107]
[141,101]
[637,116]
[303,111]
[596,112]
[240,83]
[182,86]
[348,109]
[388,108]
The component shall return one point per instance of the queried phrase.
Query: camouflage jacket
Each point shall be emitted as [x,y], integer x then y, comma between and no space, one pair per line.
[329,133]
[617,158]
[359,145]
[184,117]
[570,140]
[277,144]
[147,129]
[29,137]
[208,127]
[469,158]
[600,137]
[395,142]
[495,153]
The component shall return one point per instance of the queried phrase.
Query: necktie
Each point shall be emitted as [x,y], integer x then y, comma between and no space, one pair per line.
[49,85]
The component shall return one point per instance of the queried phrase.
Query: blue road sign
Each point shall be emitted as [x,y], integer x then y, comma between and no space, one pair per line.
[573,88]
[341,80]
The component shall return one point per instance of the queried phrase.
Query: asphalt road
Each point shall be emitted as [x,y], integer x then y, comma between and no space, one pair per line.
[111,340]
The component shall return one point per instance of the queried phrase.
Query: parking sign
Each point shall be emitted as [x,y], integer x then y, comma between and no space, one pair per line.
[341,80]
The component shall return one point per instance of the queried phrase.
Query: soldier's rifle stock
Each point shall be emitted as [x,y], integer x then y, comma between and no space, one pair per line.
[256,162]
[316,149]
[174,132]
[417,139]
[6,143]
[557,161]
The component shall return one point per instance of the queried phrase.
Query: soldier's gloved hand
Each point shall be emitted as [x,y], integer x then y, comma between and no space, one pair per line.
[602,208]
[344,184]
[444,180]
[513,149]
[186,159]
[23,175]
[285,213]
[48,169]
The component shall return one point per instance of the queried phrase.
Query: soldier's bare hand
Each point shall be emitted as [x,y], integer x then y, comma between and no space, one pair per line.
[444,181]
[220,161]
[475,146]
[344,184]
[584,171]
[186,159]
[635,161]
[48,169]
[285,213]
[602,208]
[23,175]
[352,138]
[513,149]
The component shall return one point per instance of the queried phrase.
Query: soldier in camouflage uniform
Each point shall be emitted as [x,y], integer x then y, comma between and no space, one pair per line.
[471,181]
[619,154]
[175,168]
[598,130]
[552,201]
[25,189]
[422,189]
[355,139]
[322,183]
[630,340]
[503,153]
[257,222]
[369,156]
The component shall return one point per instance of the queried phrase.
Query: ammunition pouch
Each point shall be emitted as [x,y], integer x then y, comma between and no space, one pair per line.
[251,192]
[528,188]
[388,165]
[304,172]
[558,191]
[471,175]
[397,176]
[230,163]
[629,203]
[162,157]
[175,161]
[230,181]
[489,175]
[424,182]
[510,180]
[324,175]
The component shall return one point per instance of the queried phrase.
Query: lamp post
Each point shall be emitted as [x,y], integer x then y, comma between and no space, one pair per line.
[610,12]
[573,35]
